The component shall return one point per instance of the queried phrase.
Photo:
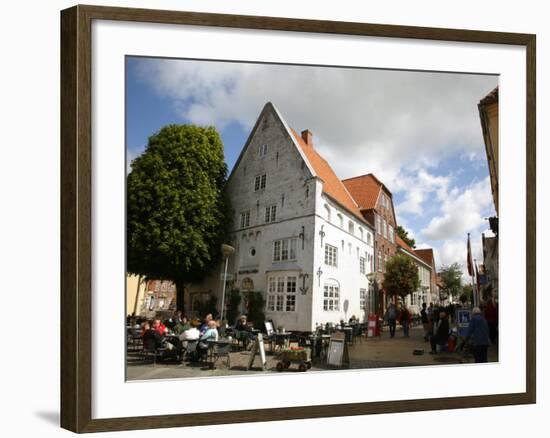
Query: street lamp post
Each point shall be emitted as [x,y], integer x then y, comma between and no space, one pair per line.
[227,250]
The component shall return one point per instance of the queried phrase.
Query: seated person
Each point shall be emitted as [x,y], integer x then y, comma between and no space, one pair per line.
[192,333]
[159,327]
[441,335]
[204,325]
[244,330]
[181,326]
[211,334]
[151,338]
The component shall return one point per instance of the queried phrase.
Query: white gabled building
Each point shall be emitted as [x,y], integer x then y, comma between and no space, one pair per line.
[299,236]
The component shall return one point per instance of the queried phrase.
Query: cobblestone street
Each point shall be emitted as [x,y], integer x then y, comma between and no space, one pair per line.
[382,352]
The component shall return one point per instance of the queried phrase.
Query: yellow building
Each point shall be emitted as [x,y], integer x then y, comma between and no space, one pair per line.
[488,114]
[135,294]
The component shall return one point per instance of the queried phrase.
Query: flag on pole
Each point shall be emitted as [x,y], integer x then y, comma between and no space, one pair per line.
[469,259]
[478,283]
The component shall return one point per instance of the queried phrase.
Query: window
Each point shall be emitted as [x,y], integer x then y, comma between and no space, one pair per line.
[349,248]
[281,294]
[362,265]
[379,224]
[327,208]
[331,255]
[350,227]
[363,299]
[340,221]
[385,229]
[361,233]
[290,305]
[392,237]
[259,182]
[331,297]
[263,150]
[245,219]
[379,261]
[270,213]
[369,240]
[284,249]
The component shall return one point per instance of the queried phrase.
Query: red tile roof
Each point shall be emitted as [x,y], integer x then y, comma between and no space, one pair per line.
[426,254]
[365,190]
[400,242]
[332,185]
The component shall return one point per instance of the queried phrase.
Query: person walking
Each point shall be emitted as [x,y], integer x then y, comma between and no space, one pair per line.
[478,335]
[441,332]
[391,317]
[491,316]
[425,322]
[405,319]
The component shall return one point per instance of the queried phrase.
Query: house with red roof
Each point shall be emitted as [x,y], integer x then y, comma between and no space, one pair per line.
[375,201]
[300,237]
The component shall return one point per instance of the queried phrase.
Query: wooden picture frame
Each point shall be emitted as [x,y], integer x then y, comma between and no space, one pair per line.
[76,217]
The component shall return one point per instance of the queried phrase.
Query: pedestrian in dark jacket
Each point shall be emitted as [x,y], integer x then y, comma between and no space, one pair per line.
[425,322]
[478,335]
[405,319]
[391,317]
[441,335]
[491,316]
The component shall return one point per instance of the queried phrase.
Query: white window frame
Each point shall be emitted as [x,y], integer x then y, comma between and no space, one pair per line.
[331,255]
[362,265]
[363,299]
[245,219]
[260,182]
[331,297]
[281,293]
[284,249]
[270,213]
[262,152]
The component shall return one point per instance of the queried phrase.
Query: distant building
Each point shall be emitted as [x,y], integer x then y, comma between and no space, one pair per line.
[488,114]
[427,292]
[427,254]
[376,204]
[149,297]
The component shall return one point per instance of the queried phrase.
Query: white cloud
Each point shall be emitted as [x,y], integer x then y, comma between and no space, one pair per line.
[462,212]
[418,189]
[387,120]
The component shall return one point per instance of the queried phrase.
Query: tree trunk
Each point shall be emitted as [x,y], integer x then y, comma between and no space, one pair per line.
[180,295]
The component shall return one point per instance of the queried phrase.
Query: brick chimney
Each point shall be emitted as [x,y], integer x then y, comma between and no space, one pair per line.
[307,136]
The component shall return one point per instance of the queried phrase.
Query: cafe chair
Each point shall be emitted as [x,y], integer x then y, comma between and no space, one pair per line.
[221,351]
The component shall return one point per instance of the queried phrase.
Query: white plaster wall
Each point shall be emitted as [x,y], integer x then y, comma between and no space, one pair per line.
[347,273]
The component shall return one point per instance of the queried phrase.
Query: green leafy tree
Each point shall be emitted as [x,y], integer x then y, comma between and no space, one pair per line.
[451,276]
[404,234]
[467,293]
[401,276]
[176,209]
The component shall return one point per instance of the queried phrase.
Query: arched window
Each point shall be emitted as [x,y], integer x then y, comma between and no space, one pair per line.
[350,227]
[361,233]
[369,241]
[340,221]
[331,295]
[327,208]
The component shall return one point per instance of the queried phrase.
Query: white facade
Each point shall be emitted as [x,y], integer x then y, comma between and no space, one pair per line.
[424,293]
[281,231]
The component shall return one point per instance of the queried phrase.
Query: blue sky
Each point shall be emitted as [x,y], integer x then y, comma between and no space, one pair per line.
[419,132]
